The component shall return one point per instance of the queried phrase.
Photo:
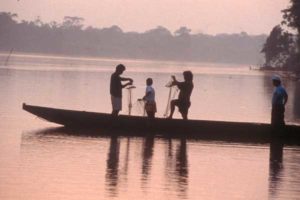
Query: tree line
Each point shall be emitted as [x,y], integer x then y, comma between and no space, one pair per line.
[71,37]
[282,47]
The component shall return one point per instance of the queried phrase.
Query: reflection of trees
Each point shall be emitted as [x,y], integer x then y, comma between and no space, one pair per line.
[276,154]
[112,166]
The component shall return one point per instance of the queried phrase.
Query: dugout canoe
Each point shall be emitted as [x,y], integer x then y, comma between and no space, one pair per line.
[140,124]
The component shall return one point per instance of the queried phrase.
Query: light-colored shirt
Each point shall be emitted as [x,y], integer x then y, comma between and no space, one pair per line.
[279,96]
[151,96]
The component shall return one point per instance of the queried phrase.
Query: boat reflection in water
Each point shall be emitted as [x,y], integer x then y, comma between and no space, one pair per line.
[128,167]
[176,166]
[129,160]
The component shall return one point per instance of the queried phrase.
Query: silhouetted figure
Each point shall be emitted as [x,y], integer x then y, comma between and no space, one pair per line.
[149,98]
[176,166]
[182,161]
[182,167]
[112,165]
[147,155]
[116,88]
[276,165]
[276,150]
[279,99]
[183,102]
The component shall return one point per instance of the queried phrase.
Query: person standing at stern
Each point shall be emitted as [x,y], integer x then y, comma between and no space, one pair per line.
[279,100]
[116,87]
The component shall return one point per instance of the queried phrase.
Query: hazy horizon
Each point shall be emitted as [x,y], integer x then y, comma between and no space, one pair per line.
[203,16]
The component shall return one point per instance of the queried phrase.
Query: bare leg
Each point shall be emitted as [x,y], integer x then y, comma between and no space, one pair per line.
[172,109]
[115,113]
[151,115]
[185,110]
[184,115]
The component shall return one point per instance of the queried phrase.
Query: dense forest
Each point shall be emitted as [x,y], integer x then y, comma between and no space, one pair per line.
[71,37]
[282,47]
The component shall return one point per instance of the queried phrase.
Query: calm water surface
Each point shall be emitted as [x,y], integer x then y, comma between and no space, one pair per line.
[38,161]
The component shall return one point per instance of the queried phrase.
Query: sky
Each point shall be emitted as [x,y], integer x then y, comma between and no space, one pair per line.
[202,16]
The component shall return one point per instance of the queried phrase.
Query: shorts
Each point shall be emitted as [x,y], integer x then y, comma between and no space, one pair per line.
[116,103]
[277,115]
[150,107]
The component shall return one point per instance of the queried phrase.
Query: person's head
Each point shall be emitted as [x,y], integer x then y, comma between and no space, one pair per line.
[276,80]
[188,76]
[120,68]
[149,81]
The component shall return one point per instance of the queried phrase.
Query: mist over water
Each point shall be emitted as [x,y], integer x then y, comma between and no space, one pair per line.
[41,163]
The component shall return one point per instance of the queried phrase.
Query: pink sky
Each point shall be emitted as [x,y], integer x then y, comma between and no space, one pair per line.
[206,16]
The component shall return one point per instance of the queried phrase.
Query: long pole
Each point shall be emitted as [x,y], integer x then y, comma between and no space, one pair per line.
[168,103]
[130,102]
[7,59]
[130,99]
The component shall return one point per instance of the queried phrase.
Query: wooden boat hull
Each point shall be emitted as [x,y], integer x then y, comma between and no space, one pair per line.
[195,128]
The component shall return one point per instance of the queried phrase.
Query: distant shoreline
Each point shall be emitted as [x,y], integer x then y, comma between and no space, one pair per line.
[121,60]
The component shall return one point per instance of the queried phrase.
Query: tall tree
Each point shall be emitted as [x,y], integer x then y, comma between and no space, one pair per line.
[182,31]
[277,48]
[73,22]
[291,17]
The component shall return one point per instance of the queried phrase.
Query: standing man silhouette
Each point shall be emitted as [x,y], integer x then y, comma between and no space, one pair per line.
[116,87]
[279,99]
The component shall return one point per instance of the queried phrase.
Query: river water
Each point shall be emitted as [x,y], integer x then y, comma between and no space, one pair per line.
[38,161]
